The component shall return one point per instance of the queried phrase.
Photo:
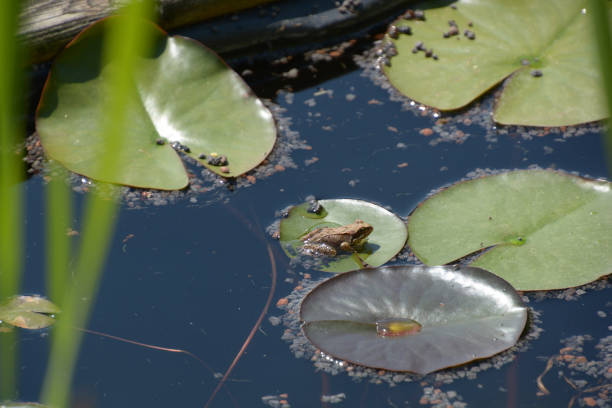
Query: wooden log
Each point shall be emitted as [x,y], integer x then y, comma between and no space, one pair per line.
[46,26]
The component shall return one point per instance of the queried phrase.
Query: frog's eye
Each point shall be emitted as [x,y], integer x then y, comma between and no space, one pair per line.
[397,327]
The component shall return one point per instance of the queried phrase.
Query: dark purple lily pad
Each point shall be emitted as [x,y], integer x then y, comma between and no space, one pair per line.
[463,313]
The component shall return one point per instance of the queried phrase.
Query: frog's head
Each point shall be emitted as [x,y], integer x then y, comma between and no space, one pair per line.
[362,231]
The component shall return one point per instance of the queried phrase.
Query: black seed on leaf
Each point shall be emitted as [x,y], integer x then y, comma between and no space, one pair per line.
[428,53]
[536,73]
[469,34]
[186,149]
[415,50]
[470,24]
[445,35]
[453,6]
[202,156]
[419,45]
[452,23]
[435,57]
[160,142]
[454,30]
[217,161]
[393,32]
[314,207]
[419,15]
[405,30]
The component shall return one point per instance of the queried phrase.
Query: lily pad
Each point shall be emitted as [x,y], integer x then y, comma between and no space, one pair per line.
[514,39]
[183,93]
[21,405]
[465,314]
[387,238]
[548,230]
[28,312]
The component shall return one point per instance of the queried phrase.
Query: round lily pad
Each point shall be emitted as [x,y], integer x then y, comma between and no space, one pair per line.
[28,312]
[387,238]
[544,49]
[548,230]
[462,313]
[183,93]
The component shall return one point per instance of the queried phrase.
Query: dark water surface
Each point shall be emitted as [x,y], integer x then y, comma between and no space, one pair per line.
[196,276]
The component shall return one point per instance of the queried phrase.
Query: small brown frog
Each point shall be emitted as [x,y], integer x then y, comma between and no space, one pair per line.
[327,241]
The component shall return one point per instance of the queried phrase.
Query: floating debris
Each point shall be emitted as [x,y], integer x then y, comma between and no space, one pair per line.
[333,399]
[276,401]
[469,34]
[179,147]
[384,60]
[419,46]
[393,32]
[314,207]
[454,30]
[405,30]
[215,160]
[414,15]
[536,73]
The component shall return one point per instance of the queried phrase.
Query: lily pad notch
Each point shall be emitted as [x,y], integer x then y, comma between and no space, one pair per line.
[544,50]
[537,229]
[416,318]
[184,96]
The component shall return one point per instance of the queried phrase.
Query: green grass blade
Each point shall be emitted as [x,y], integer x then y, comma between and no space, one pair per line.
[10,190]
[599,14]
[123,41]
[57,248]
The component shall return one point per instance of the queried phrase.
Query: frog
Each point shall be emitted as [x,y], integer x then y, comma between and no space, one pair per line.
[330,240]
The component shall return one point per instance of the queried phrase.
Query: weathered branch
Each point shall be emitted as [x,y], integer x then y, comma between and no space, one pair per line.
[46,26]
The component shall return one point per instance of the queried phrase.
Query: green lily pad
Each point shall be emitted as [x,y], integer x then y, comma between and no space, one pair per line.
[21,405]
[183,93]
[548,230]
[28,312]
[387,238]
[464,314]
[513,38]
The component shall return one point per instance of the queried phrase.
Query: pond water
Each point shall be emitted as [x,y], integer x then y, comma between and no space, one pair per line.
[194,274]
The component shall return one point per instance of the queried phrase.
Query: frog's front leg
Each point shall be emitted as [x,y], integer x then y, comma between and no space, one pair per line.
[346,246]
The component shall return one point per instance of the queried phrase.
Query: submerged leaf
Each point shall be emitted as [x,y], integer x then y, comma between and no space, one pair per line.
[183,93]
[544,47]
[548,230]
[386,239]
[443,316]
[28,312]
